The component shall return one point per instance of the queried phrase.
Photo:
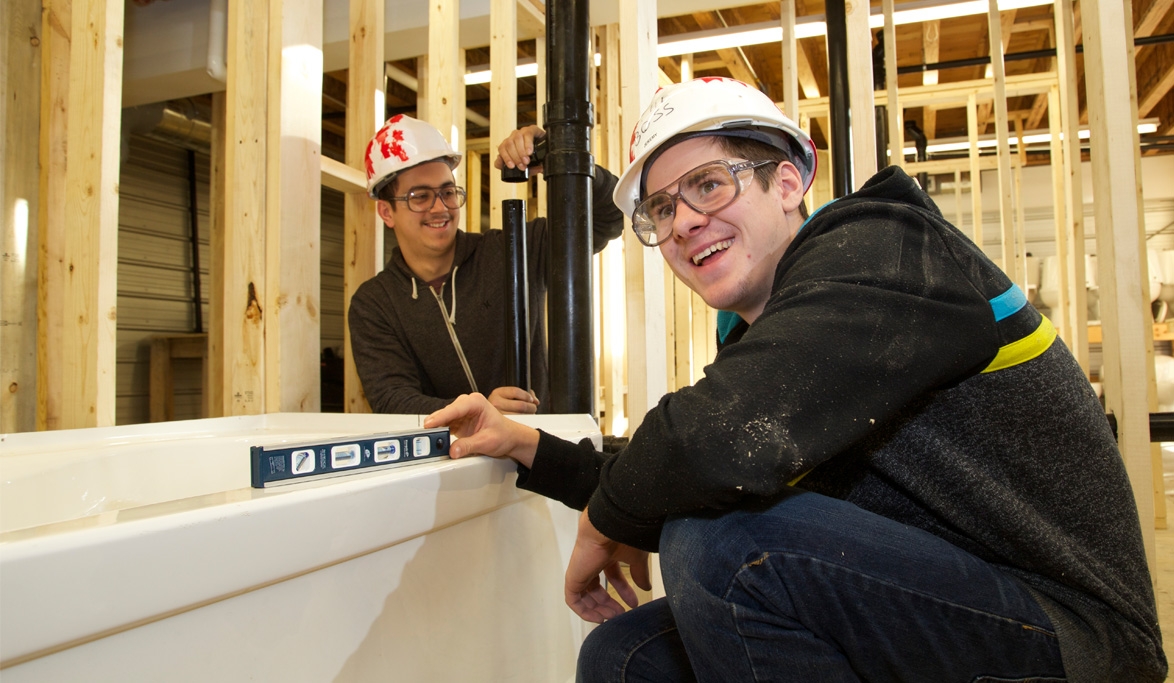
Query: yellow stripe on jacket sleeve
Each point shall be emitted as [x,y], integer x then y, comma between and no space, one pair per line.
[1024,349]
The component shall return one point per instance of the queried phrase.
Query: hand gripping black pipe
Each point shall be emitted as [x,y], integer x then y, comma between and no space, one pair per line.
[569,168]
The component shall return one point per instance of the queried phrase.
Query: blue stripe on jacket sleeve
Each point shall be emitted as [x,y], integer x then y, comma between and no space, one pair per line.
[1008,303]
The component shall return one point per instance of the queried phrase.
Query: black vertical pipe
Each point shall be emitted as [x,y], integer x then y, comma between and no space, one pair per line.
[517,332]
[569,169]
[839,102]
[194,235]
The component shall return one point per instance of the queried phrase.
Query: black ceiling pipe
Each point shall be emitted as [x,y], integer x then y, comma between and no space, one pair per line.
[568,169]
[839,103]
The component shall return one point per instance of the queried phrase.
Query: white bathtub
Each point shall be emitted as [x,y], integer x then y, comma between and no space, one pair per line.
[140,553]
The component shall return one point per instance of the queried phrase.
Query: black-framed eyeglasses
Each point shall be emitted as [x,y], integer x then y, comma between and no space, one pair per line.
[422,199]
[707,189]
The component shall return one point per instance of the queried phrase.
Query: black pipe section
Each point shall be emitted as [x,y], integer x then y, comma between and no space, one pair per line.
[881,125]
[839,101]
[921,144]
[569,169]
[517,289]
[1161,426]
[194,236]
[880,121]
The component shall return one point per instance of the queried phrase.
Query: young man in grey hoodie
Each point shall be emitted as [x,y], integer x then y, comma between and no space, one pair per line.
[430,327]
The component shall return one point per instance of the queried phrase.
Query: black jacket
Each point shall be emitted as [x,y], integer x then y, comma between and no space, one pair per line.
[884,372]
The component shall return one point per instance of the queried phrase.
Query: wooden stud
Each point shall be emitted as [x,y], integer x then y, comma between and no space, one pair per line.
[646,328]
[1073,185]
[293,179]
[363,231]
[503,96]
[19,149]
[975,171]
[1062,316]
[958,199]
[1006,21]
[790,60]
[443,78]
[860,93]
[56,26]
[244,207]
[893,106]
[931,32]
[91,205]
[613,327]
[1012,263]
[214,367]
[1121,258]
[473,179]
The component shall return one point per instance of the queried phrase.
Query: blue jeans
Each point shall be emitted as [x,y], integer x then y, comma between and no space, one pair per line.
[810,588]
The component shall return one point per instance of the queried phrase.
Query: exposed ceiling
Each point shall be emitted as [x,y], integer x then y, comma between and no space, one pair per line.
[965,38]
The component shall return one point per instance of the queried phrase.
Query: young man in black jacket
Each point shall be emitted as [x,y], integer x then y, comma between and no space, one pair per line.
[897,472]
[412,351]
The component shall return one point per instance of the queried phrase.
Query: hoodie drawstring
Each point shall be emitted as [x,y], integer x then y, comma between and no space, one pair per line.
[414,294]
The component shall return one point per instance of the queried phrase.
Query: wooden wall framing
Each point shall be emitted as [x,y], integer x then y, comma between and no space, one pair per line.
[21,34]
[363,230]
[1125,314]
[91,213]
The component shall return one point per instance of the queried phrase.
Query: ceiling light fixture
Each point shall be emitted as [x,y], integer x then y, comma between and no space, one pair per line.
[809,27]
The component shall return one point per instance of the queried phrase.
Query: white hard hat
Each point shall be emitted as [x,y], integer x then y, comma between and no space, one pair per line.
[404,142]
[720,106]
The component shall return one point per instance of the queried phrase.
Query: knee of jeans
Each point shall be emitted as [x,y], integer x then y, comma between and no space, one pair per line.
[697,549]
[600,657]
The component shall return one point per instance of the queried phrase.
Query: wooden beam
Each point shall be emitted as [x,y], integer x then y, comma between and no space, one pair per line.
[214,367]
[532,18]
[1151,18]
[613,323]
[790,60]
[293,248]
[1012,261]
[439,88]
[1062,316]
[975,171]
[56,26]
[930,46]
[1062,10]
[245,303]
[1155,77]
[807,81]
[893,108]
[339,176]
[1120,244]
[19,149]
[644,267]
[363,232]
[952,94]
[1000,36]
[91,205]
[503,97]
[738,67]
[860,93]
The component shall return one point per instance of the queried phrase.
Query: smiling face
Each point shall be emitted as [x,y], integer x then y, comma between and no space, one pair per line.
[729,257]
[426,239]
